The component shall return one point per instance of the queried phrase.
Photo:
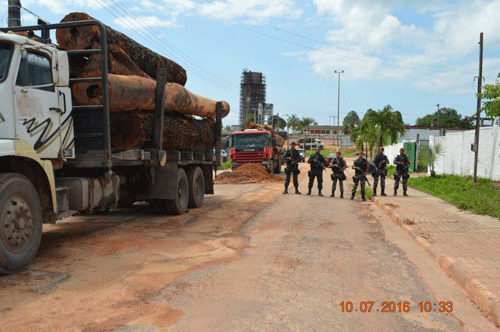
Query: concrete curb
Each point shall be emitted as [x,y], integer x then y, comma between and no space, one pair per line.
[476,291]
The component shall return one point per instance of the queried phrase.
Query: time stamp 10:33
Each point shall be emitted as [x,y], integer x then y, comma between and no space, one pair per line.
[391,306]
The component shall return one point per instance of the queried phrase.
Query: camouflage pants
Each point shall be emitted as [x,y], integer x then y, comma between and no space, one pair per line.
[355,186]
[334,184]
[397,177]
[382,182]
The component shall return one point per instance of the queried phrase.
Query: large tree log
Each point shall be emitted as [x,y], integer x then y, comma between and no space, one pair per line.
[118,63]
[280,141]
[89,37]
[128,93]
[181,132]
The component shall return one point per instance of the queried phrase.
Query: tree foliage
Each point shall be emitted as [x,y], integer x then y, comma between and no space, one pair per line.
[491,94]
[351,121]
[293,122]
[378,127]
[388,123]
[444,118]
[278,122]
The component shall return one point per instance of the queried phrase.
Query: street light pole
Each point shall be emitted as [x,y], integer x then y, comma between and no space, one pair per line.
[338,110]
[438,120]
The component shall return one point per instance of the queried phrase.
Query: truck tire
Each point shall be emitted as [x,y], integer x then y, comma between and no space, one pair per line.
[179,204]
[196,187]
[20,222]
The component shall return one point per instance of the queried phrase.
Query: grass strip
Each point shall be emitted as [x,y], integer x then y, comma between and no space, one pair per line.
[226,165]
[485,199]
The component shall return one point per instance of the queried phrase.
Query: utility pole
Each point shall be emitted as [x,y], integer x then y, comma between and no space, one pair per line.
[478,114]
[14,13]
[338,110]
[438,120]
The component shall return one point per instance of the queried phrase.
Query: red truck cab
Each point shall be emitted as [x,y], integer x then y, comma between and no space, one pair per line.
[255,146]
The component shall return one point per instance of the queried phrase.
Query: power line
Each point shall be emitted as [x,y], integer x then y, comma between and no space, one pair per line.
[330,44]
[150,39]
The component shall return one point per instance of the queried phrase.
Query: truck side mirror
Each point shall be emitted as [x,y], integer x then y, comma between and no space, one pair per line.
[60,70]
[273,142]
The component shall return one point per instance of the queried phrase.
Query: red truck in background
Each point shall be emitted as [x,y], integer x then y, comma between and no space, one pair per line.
[256,146]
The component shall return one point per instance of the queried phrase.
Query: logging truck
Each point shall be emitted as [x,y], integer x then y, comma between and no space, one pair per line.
[256,146]
[57,158]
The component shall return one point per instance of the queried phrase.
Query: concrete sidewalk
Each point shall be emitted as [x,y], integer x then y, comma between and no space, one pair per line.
[465,245]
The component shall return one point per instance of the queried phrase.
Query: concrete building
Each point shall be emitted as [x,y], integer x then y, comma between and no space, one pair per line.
[252,95]
[323,131]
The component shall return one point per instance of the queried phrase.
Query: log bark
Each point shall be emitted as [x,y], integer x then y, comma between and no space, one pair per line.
[118,63]
[280,141]
[89,37]
[181,132]
[129,93]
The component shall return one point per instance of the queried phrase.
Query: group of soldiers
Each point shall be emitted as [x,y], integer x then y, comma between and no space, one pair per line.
[338,166]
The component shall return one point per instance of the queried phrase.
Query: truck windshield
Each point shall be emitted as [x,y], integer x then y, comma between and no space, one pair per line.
[5,56]
[249,141]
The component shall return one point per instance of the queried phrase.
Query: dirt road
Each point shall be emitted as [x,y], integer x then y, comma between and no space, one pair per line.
[98,273]
[250,259]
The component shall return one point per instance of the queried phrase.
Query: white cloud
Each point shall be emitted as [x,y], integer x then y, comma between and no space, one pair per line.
[440,57]
[257,11]
[128,22]
[63,7]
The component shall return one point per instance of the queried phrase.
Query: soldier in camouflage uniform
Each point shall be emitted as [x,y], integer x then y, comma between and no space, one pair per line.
[402,163]
[380,161]
[361,166]
[292,158]
[338,165]
[317,162]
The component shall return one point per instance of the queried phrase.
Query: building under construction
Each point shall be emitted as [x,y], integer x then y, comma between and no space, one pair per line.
[253,98]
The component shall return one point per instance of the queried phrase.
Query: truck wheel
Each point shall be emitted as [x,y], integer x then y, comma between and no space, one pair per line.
[179,204]
[196,187]
[20,222]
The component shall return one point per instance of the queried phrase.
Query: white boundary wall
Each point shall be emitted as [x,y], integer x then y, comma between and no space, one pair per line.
[392,151]
[458,159]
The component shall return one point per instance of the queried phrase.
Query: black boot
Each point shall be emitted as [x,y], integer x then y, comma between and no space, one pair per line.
[333,194]
[395,192]
[341,194]
[383,193]
[309,192]
[352,197]
[297,191]
[363,197]
[404,193]
[286,191]
[319,192]
[374,192]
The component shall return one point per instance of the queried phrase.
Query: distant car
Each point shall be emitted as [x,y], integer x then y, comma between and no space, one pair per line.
[302,154]
[223,153]
[329,158]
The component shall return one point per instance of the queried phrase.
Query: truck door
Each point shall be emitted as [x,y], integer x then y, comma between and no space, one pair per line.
[36,104]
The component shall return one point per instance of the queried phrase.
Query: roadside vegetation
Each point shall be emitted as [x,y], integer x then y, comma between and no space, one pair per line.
[460,191]
[323,152]
[226,165]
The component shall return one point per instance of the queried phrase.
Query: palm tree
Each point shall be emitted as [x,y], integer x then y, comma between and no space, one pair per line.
[389,124]
[293,122]
[305,123]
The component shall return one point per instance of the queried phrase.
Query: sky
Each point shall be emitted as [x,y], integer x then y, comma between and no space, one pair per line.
[412,57]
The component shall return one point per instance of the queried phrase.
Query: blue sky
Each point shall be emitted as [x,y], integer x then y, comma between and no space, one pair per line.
[412,57]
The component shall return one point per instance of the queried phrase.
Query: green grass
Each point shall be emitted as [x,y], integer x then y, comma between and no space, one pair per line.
[390,170]
[368,190]
[226,165]
[323,152]
[460,191]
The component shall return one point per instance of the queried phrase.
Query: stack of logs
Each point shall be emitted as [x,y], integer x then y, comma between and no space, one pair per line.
[132,70]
